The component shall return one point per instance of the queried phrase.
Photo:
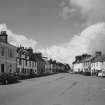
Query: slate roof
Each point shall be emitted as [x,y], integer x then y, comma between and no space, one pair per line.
[99,59]
[92,59]
[89,59]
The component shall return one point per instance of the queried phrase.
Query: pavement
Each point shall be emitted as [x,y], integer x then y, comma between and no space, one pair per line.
[58,89]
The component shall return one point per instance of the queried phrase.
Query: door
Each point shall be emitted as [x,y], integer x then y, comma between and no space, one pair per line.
[2,68]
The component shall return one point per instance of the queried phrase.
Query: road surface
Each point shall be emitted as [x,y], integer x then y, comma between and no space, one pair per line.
[58,89]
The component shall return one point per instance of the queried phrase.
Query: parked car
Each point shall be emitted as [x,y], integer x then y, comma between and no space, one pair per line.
[101,74]
[6,78]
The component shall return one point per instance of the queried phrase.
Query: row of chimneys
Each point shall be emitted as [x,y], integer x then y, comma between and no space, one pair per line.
[84,56]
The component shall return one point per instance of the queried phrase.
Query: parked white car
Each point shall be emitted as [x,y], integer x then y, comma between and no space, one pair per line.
[101,74]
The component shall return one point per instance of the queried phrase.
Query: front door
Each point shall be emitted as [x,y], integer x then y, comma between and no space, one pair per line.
[2,68]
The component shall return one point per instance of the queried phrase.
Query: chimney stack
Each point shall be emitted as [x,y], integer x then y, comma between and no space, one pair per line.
[98,53]
[78,58]
[4,37]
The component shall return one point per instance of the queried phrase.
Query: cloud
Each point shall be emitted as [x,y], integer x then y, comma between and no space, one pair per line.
[89,40]
[17,39]
[92,10]
[66,12]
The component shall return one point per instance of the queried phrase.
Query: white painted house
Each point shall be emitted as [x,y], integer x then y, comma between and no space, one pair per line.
[78,67]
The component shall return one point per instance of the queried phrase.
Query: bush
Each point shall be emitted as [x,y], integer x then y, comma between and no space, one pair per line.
[6,78]
[32,75]
[23,76]
[87,73]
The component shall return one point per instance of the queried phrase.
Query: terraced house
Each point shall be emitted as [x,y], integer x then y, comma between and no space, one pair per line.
[7,54]
[24,63]
[90,64]
[81,63]
[24,60]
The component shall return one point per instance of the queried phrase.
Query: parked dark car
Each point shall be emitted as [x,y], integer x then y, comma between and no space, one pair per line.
[6,78]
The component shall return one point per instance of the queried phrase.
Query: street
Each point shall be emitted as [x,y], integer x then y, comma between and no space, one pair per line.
[58,89]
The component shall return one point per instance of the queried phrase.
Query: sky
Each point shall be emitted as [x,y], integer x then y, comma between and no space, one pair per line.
[38,19]
[61,29]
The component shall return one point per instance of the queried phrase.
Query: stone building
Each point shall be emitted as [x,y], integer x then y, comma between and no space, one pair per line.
[7,54]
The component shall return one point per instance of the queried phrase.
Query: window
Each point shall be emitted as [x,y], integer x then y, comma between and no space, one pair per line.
[17,70]
[2,51]
[2,67]
[96,63]
[10,70]
[26,62]
[10,53]
[20,61]
[33,64]
[30,63]
[22,70]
